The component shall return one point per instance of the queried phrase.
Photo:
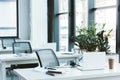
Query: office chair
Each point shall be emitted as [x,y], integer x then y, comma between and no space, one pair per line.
[47,58]
[7,42]
[22,47]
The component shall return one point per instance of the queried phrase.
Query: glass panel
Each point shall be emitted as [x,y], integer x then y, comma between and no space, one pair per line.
[63,32]
[63,6]
[102,3]
[108,16]
[81,12]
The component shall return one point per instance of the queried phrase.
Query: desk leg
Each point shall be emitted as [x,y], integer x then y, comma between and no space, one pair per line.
[2,71]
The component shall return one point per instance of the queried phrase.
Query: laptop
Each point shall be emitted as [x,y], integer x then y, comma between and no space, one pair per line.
[93,61]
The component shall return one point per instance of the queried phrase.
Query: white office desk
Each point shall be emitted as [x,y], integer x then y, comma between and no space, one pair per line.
[69,74]
[9,50]
[8,59]
[6,51]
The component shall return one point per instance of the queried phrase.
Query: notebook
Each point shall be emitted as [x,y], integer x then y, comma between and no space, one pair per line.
[93,61]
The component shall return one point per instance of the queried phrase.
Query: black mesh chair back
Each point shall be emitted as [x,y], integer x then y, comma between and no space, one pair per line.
[7,42]
[47,58]
[22,47]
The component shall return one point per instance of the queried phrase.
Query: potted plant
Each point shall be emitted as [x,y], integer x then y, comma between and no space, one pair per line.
[81,38]
[90,39]
[86,38]
[103,43]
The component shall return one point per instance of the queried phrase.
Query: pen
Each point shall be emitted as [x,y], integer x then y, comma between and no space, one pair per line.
[51,74]
[50,68]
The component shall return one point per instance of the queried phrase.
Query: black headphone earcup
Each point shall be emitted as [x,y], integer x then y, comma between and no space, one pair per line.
[72,63]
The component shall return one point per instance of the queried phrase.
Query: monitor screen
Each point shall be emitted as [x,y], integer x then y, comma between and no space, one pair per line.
[8,18]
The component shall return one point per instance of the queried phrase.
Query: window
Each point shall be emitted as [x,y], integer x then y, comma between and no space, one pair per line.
[65,12]
[63,25]
[105,12]
[8,18]
[68,10]
[69,14]
[81,12]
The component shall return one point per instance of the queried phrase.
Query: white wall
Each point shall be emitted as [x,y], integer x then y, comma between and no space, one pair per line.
[24,19]
[38,22]
[33,21]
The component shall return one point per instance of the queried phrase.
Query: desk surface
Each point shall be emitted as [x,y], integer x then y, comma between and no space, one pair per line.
[9,57]
[69,74]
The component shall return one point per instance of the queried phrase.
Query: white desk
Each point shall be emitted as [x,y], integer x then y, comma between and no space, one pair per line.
[9,50]
[6,51]
[70,74]
[8,59]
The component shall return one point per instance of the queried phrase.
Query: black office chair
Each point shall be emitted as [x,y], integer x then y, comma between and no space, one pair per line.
[22,47]
[18,48]
[7,42]
[47,58]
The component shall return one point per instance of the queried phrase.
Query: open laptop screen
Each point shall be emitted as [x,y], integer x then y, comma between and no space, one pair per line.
[94,60]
